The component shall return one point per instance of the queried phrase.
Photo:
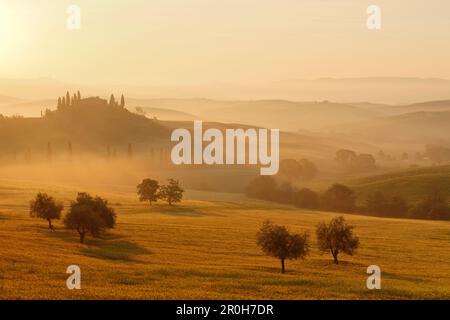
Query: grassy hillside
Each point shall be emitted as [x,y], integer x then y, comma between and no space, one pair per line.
[206,249]
[411,185]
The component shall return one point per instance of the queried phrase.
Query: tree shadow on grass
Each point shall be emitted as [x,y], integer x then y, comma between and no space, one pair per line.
[108,247]
[181,211]
[113,250]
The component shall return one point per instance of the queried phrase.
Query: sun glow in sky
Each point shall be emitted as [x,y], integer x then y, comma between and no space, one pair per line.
[243,41]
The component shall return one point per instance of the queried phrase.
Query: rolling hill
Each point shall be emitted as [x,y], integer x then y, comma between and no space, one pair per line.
[90,125]
[420,127]
[282,114]
[207,250]
[412,184]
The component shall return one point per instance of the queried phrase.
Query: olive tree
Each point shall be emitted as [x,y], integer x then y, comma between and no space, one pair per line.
[336,237]
[89,215]
[46,207]
[148,190]
[171,192]
[276,241]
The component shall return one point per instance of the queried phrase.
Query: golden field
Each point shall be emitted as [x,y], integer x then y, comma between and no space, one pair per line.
[206,249]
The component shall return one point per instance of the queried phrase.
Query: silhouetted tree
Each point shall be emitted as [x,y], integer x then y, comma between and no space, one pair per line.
[306,198]
[338,198]
[59,103]
[63,102]
[336,237]
[438,154]
[78,96]
[68,98]
[285,193]
[365,161]
[379,204]
[346,158]
[46,207]
[89,215]
[112,101]
[171,192]
[293,170]
[276,241]
[28,155]
[49,151]
[130,151]
[69,149]
[148,190]
[263,187]
[433,206]
[122,101]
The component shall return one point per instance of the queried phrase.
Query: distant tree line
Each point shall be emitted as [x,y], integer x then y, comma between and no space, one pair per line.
[341,198]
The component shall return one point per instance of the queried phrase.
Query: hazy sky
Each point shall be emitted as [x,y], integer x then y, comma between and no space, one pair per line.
[242,41]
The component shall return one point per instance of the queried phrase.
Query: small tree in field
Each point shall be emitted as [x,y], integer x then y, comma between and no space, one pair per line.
[148,190]
[89,215]
[276,241]
[46,207]
[171,192]
[336,237]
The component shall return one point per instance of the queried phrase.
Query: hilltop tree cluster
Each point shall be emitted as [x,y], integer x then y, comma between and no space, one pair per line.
[68,100]
[72,100]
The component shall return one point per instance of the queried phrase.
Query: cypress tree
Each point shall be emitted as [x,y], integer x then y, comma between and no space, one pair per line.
[130,151]
[49,151]
[112,101]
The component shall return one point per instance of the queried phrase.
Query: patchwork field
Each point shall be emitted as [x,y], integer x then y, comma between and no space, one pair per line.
[206,249]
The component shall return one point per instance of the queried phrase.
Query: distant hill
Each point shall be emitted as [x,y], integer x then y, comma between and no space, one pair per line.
[416,127]
[27,108]
[440,105]
[410,184]
[390,90]
[282,114]
[164,114]
[9,100]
